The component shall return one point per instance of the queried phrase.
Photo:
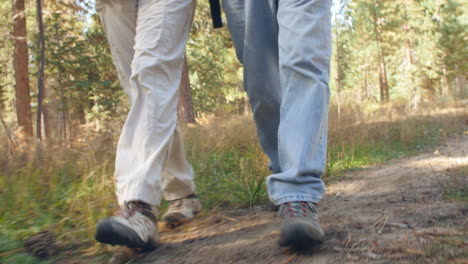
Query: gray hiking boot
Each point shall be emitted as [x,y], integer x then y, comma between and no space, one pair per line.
[182,210]
[134,226]
[300,228]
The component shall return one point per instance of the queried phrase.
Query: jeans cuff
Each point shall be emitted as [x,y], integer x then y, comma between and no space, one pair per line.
[296,198]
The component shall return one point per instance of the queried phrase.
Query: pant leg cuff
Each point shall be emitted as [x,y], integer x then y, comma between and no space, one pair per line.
[296,198]
[147,196]
[180,194]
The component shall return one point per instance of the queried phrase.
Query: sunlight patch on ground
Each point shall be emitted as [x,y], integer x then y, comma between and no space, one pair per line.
[388,180]
[201,233]
[345,187]
[439,163]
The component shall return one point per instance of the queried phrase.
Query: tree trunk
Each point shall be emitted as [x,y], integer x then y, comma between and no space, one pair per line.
[460,82]
[49,114]
[61,104]
[47,120]
[23,99]
[408,32]
[40,79]
[445,82]
[383,83]
[409,52]
[185,107]
[61,112]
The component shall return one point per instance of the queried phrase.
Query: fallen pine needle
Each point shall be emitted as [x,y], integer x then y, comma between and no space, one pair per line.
[440,232]
[415,252]
[289,259]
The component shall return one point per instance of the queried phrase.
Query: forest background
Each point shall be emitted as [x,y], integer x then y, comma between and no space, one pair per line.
[398,86]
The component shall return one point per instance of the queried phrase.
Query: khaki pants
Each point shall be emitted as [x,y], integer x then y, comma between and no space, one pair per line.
[147,39]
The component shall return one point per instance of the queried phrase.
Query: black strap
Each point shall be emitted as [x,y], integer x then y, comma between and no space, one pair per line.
[215,8]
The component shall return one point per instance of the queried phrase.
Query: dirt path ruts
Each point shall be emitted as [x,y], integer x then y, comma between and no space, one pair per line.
[391,213]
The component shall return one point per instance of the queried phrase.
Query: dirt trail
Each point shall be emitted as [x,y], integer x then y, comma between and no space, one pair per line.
[391,213]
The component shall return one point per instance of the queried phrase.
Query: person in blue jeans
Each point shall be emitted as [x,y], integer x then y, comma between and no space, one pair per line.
[285,47]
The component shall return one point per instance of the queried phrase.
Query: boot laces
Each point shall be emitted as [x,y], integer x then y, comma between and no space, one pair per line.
[297,208]
[127,210]
[177,203]
[130,208]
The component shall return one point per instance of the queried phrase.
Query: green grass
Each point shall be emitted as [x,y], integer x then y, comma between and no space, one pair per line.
[9,252]
[447,249]
[456,186]
[231,179]
[361,152]
[68,190]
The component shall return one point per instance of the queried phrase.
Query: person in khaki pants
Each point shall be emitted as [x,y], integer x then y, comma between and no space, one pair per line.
[147,40]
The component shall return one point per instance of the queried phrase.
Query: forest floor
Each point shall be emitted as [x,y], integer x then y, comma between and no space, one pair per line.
[410,210]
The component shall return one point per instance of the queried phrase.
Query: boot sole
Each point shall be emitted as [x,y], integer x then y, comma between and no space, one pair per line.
[176,219]
[299,236]
[112,233]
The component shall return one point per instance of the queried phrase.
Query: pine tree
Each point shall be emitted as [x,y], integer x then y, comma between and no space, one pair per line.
[21,63]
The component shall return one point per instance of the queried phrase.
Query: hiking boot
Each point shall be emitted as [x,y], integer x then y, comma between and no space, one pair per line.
[301,226]
[134,226]
[182,210]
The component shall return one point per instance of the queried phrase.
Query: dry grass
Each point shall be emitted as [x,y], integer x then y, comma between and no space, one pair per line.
[368,133]
[68,188]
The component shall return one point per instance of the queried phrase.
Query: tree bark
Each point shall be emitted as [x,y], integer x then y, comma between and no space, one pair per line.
[40,79]
[23,99]
[185,106]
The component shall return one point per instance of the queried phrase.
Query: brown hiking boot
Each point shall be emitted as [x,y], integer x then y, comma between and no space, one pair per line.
[300,228]
[134,226]
[182,210]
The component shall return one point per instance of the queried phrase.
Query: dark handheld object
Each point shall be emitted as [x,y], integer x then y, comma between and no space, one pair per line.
[215,9]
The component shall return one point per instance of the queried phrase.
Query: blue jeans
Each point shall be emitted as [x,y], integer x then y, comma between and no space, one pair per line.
[285,47]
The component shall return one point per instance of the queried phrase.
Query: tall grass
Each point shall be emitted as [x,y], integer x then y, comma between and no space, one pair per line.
[67,189]
[228,161]
[365,134]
